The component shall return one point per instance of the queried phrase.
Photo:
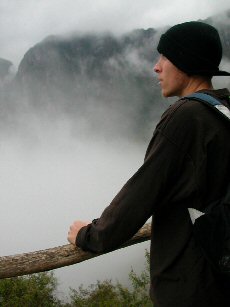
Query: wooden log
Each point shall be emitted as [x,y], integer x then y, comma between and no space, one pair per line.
[57,257]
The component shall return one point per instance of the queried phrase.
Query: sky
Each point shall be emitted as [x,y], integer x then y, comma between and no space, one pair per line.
[48,182]
[24,23]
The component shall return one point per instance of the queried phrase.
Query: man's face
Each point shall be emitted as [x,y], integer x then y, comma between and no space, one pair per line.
[173,81]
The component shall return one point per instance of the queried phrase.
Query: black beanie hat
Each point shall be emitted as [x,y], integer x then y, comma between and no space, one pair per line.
[194,47]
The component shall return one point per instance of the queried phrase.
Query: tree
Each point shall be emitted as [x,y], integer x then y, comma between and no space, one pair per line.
[107,294]
[30,291]
[39,290]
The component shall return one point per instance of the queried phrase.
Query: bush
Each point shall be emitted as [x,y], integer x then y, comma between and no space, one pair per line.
[30,291]
[107,294]
[39,290]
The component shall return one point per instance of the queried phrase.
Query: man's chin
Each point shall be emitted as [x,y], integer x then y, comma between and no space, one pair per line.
[165,94]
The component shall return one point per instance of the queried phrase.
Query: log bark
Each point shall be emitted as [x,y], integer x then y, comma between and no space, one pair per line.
[57,257]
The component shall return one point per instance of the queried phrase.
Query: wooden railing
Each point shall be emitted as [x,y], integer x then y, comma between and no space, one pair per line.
[57,257]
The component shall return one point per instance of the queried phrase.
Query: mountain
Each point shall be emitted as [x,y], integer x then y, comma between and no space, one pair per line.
[4,70]
[101,78]
[104,78]
[222,23]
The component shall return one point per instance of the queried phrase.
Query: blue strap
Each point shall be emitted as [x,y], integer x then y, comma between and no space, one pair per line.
[211,101]
[205,97]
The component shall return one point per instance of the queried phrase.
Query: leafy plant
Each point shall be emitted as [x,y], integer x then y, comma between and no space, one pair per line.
[30,291]
[107,294]
[39,290]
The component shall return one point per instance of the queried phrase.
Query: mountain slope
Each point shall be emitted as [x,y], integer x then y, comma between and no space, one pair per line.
[106,80]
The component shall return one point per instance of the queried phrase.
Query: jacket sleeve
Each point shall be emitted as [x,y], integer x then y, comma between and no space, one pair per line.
[140,197]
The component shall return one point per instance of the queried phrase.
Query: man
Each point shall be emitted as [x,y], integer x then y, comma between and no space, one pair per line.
[187,165]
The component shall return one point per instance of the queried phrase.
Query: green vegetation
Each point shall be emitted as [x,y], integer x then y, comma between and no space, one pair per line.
[107,294]
[40,290]
[30,291]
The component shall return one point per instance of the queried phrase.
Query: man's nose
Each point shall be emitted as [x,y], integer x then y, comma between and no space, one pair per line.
[156,68]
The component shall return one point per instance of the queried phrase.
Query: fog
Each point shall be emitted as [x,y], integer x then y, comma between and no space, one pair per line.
[67,146]
[221,82]
[58,165]
[23,23]
[63,160]
[44,187]
[55,175]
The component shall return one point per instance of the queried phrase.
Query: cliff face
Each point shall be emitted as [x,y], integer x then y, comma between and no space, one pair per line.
[91,64]
[102,77]
[4,70]
[71,65]
[222,23]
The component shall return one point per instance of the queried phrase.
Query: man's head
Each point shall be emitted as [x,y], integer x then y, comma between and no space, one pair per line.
[193,47]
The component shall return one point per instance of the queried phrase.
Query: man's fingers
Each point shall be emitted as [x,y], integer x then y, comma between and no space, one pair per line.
[74,229]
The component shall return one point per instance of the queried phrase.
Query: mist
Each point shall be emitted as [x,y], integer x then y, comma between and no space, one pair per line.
[50,182]
[69,142]
[23,23]
[56,169]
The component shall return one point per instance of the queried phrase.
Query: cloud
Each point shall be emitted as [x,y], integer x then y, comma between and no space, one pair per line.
[45,187]
[23,23]
[222,81]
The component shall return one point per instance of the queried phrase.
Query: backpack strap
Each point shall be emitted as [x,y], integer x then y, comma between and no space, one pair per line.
[212,227]
[223,111]
[211,101]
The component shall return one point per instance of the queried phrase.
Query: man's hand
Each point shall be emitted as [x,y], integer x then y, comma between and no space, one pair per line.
[74,229]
